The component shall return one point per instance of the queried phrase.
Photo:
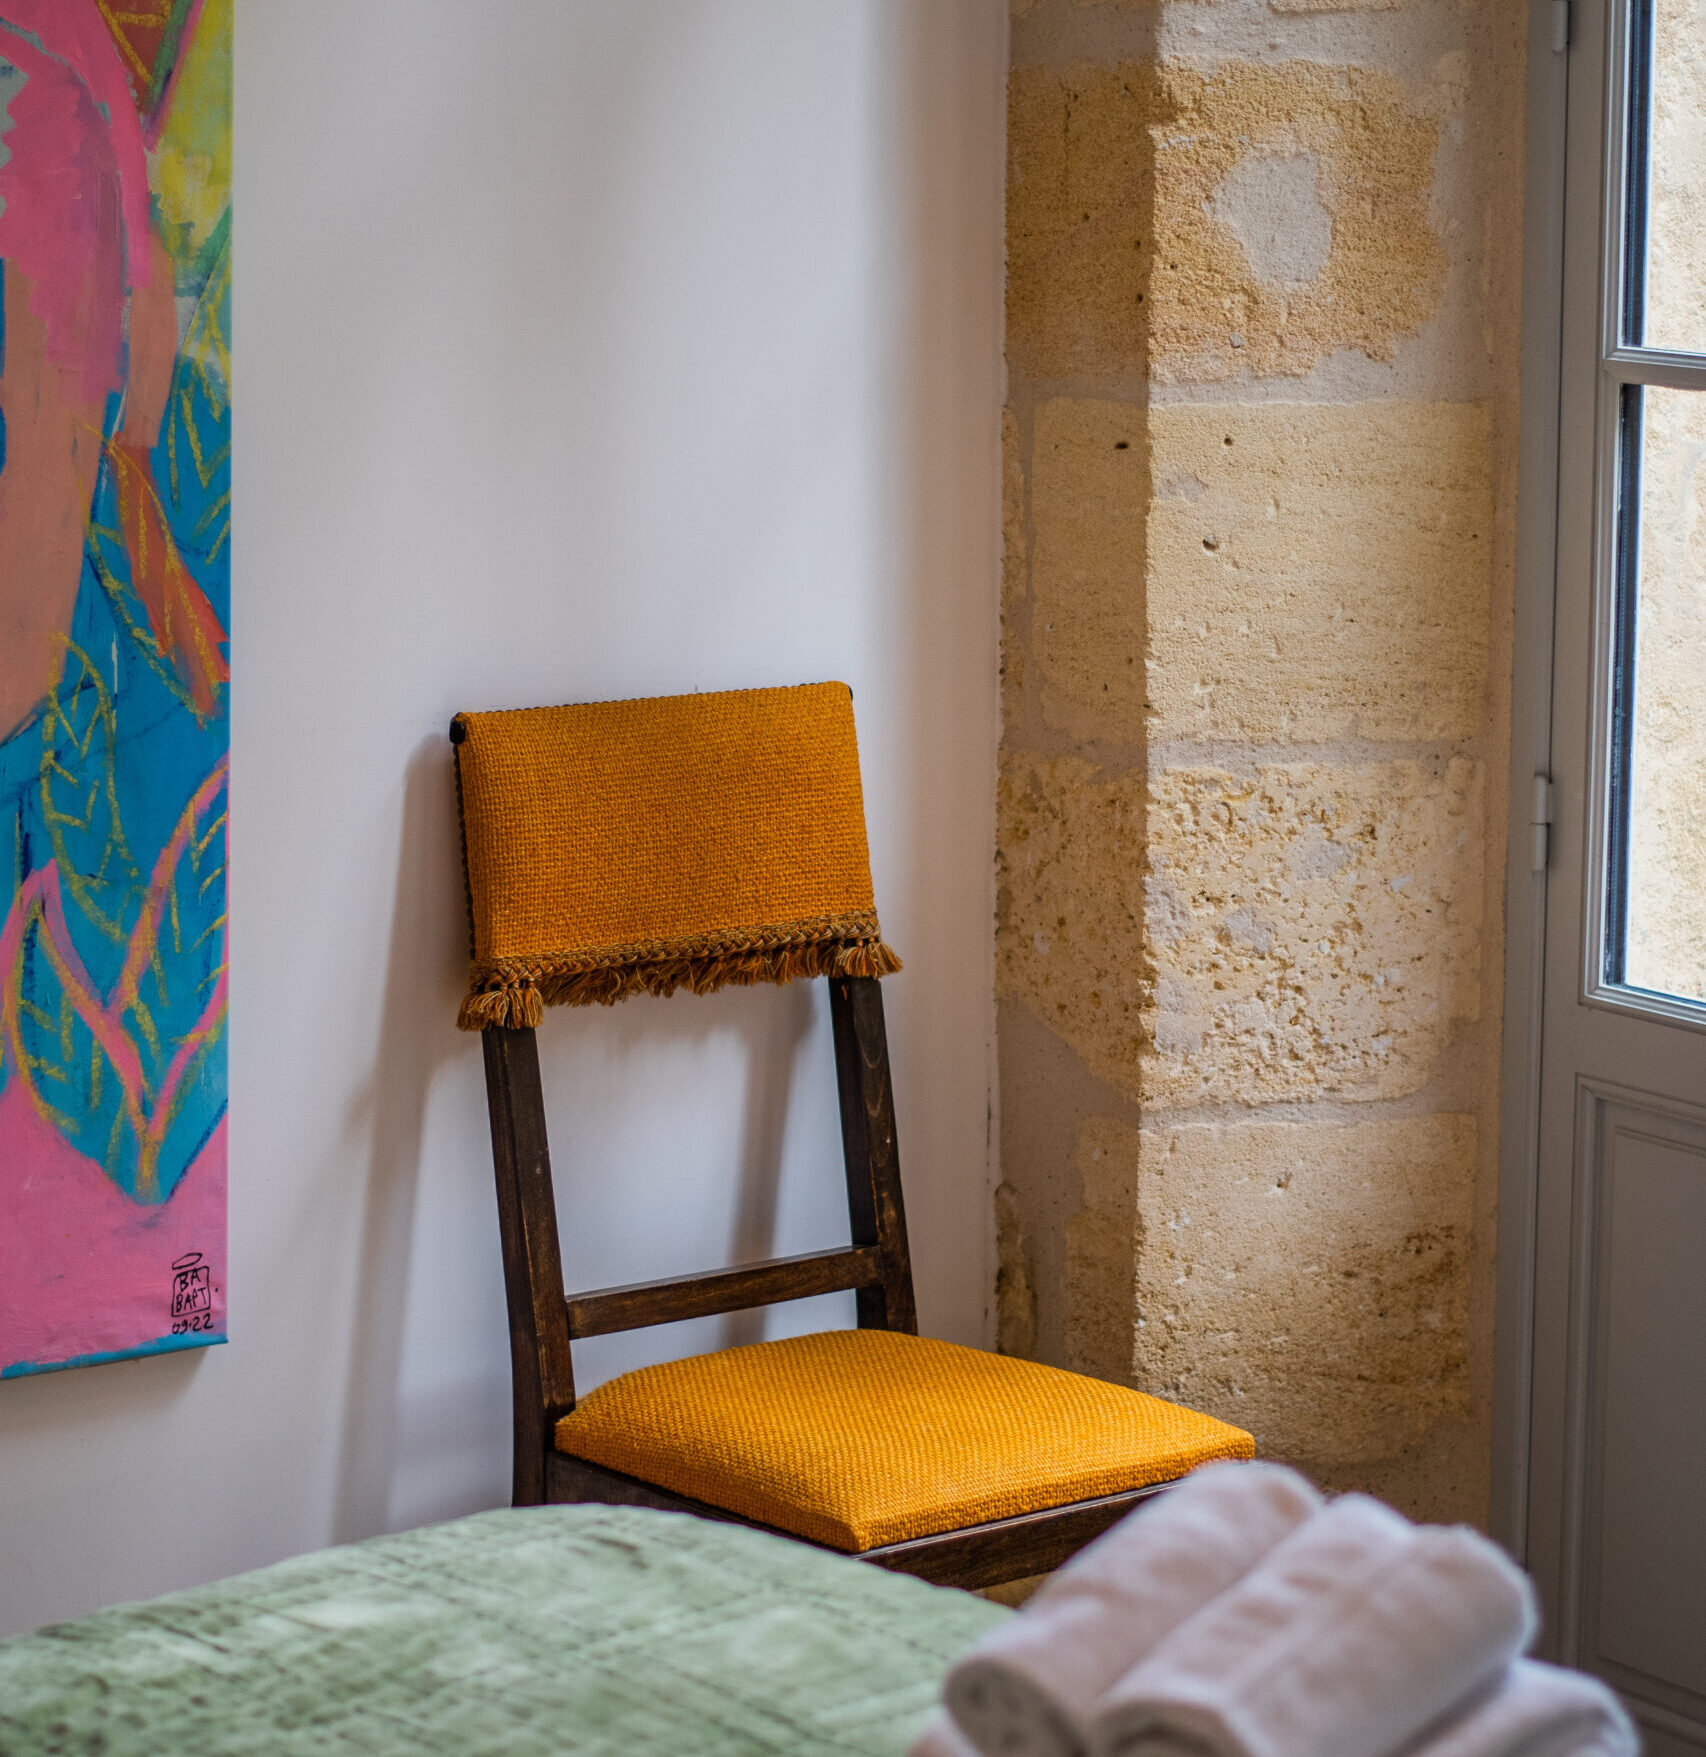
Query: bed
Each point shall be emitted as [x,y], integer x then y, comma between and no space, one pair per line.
[537,1630]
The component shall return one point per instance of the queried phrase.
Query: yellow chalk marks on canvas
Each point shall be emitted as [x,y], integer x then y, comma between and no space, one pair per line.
[151,18]
[78,688]
[190,166]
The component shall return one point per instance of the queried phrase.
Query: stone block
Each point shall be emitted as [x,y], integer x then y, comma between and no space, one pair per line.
[1015,563]
[1069,929]
[1291,218]
[1079,199]
[1090,498]
[1315,571]
[1313,930]
[1103,1242]
[1196,226]
[1334,5]
[1015,1285]
[1307,1280]
[1308,931]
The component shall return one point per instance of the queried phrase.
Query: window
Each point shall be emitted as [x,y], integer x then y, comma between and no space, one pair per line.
[1654,453]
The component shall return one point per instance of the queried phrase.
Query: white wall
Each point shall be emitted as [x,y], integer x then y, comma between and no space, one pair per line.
[586,348]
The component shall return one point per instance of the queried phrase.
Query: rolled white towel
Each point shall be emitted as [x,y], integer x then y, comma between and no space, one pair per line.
[1346,1641]
[1535,1710]
[941,1738]
[1027,1689]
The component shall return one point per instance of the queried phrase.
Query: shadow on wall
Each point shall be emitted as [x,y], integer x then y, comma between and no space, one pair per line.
[943,653]
[423,978]
[424,982]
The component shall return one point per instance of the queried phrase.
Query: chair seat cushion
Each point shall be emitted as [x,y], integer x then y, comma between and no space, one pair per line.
[855,1438]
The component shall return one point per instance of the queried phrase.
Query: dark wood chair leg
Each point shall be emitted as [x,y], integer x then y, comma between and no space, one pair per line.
[542,1373]
[871,1149]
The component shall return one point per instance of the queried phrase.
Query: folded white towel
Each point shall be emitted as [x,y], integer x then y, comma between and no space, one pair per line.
[1355,1633]
[1535,1710]
[1027,1689]
[941,1738]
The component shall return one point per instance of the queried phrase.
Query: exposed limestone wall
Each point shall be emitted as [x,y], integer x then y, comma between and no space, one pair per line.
[1262,346]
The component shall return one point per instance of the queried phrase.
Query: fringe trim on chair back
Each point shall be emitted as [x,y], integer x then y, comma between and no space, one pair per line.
[622,848]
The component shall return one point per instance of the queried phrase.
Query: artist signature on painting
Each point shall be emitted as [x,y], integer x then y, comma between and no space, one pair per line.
[192,1295]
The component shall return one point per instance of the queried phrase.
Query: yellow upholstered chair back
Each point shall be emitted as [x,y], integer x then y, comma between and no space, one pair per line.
[687,841]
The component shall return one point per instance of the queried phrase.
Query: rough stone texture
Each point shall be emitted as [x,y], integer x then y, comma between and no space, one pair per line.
[1047,1095]
[1080,178]
[1104,1246]
[1313,931]
[1296,572]
[1015,562]
[1271,203]
[1305,1280]
[1317,571]
[1253,780]
[1090,495]
[1136,241]
[1335,5]
[1015,1289]
[1069,939]
[1213,313]
[1306,931]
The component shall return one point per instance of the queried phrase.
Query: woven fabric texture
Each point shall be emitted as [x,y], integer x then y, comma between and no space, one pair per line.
[682,841]
[855,1438]
[537,1632]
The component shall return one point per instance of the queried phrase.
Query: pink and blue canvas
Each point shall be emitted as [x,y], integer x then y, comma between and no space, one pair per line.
[115,550]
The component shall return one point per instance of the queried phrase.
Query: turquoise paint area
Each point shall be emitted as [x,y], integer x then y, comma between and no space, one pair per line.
[24,1369]
[99,782]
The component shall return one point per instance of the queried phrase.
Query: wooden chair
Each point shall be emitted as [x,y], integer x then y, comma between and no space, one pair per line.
[963,1467]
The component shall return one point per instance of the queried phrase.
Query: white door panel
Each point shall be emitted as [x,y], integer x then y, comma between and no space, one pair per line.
[1616,1474]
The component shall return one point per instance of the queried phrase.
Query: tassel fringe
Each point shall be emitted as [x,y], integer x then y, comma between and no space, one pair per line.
[518,1007]
[515,993]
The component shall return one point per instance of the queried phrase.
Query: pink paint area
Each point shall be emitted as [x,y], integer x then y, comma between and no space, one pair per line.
[74,183]
[75,34]
[86,1271]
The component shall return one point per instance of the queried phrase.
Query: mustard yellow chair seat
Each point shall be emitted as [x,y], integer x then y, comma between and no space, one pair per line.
[856,1438]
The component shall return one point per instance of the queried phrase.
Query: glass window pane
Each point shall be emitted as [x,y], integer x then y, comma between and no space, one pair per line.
[1667,305]
[1665,718]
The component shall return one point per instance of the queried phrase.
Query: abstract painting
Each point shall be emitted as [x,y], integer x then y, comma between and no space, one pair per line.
[115,555]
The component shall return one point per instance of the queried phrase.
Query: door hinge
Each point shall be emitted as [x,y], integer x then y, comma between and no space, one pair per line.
[1541,819]
[1560,26]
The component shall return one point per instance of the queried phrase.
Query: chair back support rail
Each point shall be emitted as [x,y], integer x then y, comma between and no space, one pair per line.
[543,1320]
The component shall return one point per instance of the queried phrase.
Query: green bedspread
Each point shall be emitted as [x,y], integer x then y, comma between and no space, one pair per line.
[550,1629]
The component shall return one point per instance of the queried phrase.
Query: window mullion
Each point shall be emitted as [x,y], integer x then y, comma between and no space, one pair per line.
[1655,366]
